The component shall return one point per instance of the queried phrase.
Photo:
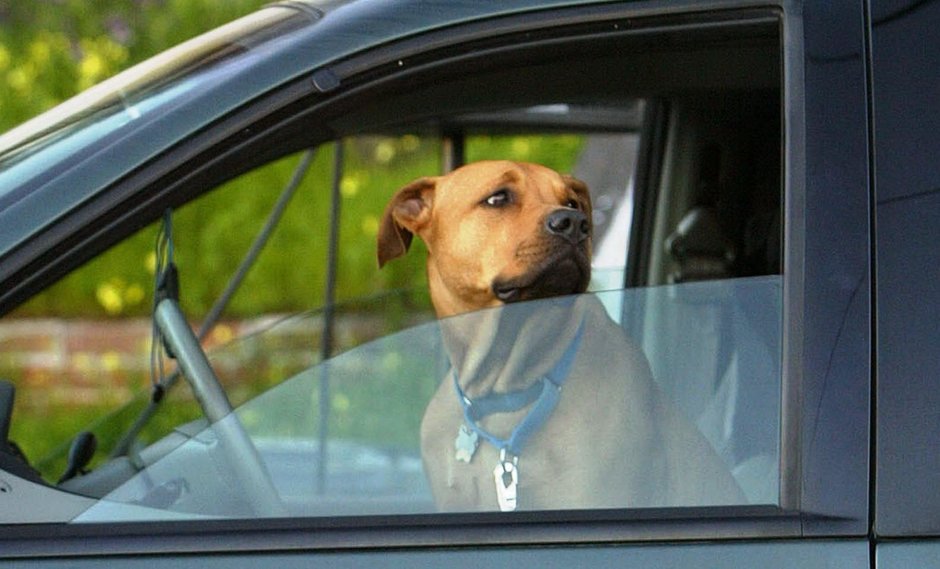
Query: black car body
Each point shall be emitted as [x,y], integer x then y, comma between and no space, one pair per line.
[805,130]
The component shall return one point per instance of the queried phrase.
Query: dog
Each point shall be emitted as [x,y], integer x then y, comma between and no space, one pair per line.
[597,435]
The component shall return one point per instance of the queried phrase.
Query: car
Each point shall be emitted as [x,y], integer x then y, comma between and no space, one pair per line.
[766,198]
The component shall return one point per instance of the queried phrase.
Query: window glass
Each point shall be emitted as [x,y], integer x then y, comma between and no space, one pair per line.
[657,386]
[81,349]
[79,352]
[342,436]
[139,92]
[370,460]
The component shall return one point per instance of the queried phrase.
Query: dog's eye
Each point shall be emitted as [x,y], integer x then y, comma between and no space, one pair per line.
[499,198]
[573,204]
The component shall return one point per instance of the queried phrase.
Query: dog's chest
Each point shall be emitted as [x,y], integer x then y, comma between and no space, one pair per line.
[472,482]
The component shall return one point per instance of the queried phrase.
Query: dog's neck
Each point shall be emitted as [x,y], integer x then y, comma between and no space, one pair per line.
[507,349]
[449,302]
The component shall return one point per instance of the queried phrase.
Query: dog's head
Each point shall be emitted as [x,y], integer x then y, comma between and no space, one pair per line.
[496,232]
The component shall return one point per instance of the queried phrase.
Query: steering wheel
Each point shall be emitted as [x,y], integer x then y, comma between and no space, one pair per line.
[244,460]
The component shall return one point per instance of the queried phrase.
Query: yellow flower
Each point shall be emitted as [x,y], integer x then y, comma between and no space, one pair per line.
[521,147]
[40,51]
[384,152]
[109,297]
[111,361]
[91,68]
[134,294]
[410,143]
[340,402]
[19,79]
[5,58]
[370,225]
[222,334]
[349,186]
[101,57]
[150,262]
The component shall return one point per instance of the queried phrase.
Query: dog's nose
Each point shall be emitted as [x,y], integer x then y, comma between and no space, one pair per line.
[568,223]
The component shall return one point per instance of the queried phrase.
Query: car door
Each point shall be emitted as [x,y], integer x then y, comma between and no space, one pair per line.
[906,207]
[726,147]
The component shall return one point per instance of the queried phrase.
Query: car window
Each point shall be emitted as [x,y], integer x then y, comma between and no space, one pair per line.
[351,398]
[368,458]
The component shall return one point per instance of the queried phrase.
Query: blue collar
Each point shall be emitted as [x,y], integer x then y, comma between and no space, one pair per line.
[545,393]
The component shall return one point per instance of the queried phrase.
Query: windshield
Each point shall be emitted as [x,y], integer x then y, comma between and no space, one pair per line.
[77,127]
[373,430]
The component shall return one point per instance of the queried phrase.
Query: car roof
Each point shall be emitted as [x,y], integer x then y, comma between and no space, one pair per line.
[56,162]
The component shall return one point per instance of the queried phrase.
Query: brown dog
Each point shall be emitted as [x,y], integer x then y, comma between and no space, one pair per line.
[497,233]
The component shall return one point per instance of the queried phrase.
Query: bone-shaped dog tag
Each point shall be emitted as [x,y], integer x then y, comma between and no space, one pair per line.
[466,443]
[506,476]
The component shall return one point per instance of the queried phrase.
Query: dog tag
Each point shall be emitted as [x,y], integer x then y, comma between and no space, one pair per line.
[506,476]
[466,443]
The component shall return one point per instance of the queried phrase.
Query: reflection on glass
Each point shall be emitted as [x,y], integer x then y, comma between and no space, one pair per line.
[153,87]
[705,430]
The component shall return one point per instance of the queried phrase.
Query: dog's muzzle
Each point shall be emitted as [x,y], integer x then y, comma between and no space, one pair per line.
[566,269]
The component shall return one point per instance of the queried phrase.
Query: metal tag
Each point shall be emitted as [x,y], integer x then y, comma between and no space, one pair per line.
[506,476]
[466,443]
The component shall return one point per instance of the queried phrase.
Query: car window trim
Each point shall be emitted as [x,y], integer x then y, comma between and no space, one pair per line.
[655,525]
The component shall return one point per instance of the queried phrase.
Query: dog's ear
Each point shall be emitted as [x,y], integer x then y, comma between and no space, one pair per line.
[407,212]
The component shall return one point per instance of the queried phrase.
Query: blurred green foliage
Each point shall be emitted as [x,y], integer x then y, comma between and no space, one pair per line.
[212,234]
[53,49]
